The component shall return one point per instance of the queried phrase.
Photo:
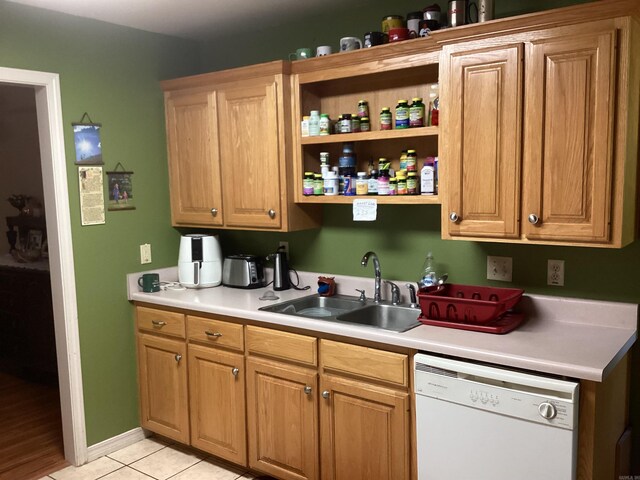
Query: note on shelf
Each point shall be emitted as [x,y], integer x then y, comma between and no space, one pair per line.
[365,210]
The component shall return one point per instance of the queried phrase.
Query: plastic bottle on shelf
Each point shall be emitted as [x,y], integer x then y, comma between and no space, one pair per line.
[324,163]
[324,125]
[428,276]
[314,123]
[304,126]
[427,177]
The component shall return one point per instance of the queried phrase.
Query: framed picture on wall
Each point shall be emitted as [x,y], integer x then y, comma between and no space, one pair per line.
[120,190]
[35,240]
[88,144]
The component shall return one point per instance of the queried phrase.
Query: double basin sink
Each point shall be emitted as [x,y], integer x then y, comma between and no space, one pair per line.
[350,310]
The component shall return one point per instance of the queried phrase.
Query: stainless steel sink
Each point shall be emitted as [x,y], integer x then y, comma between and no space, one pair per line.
[315,306]
[388,317]
[347,309]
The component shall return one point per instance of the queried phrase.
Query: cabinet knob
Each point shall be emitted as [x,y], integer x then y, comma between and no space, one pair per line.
[215,335]
[307,390]
[214,212]
[453,216]
[272,213]
[158,323]
[533,219]
[235,371]
[178,357]
[326,394]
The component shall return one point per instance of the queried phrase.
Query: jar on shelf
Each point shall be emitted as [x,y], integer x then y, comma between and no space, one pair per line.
[416,113]
[355,123]
[365,125]
[345,123]
[412,183]
[402,114]
[363,108]
[362,184]
[331,183]
[314,123]
[325,124]
[318,184]
[385,119]
[307,183]
[412,161]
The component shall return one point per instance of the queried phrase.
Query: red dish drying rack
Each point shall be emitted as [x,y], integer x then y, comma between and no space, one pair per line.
[470,307]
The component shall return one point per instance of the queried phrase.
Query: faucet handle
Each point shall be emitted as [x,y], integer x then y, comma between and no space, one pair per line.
[395,292]
[363,297]
[412,295]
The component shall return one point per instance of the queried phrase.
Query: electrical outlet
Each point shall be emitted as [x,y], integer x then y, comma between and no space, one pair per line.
[286,247]
[555,273]
[145,253]
[499,268]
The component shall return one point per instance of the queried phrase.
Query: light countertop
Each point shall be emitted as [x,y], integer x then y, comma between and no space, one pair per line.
[577,338]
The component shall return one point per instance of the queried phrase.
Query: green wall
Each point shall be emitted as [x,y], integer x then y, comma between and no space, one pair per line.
[112,73]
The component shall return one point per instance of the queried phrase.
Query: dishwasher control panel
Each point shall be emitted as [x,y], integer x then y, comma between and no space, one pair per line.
[522,395]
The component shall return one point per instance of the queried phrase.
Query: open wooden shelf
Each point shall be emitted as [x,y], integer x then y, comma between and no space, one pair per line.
[381,199]
[373,135]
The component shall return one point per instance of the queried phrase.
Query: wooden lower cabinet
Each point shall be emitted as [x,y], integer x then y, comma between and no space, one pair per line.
[282,417]
[162,366]
[217,401]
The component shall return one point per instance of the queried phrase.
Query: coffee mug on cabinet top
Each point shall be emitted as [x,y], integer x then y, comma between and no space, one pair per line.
[149,282]
[350,43]
[400,34]
[324,50]
[371,39]
[301,54]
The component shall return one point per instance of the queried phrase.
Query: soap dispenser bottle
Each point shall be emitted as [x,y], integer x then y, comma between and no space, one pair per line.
[428,276]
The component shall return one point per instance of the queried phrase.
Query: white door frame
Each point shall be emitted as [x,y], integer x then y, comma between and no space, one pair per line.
[63,281]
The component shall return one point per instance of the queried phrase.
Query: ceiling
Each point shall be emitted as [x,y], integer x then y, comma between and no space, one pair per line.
[193,19]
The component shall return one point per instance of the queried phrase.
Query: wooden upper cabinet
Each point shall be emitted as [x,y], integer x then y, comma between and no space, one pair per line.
[194,164]
[561,170]
[482,91]
[251,153]
[568,144]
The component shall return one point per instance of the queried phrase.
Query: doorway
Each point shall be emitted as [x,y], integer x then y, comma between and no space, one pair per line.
[46,88]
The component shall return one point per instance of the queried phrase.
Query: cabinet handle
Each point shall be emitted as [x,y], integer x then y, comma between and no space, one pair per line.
[158,323]
[235,371]
[178,357]
[453,216]
[214,212]
[326,394]
[209,333]
[307,390]
[272,213]
[533,219]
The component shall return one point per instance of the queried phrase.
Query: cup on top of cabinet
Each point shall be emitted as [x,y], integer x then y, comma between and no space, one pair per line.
[301,54]
[350,43]
[371,39]
[324,50]
[400,34]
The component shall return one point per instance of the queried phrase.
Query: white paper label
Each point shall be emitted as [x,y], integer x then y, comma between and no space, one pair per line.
[365,210]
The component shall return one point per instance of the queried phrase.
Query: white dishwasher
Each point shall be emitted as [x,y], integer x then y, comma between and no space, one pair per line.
[479,422]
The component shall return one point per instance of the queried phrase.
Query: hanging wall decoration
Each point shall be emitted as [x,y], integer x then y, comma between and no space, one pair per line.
[87,141]
[120,189]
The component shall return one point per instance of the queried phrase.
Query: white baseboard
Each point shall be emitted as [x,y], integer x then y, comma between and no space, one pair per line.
[114,444]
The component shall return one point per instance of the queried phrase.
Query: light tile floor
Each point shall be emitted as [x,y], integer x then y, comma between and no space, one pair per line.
[153,458]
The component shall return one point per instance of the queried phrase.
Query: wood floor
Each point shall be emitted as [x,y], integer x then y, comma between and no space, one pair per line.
[30,429]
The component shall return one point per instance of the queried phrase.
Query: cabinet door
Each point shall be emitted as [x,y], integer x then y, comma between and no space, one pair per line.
[282,419]
[194,166]
[482,92]
[216,393]
[364,431]
[162,367]
[250,152]
[568,136]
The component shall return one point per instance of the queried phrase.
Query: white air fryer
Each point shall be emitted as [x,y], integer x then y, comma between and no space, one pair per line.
[199,261]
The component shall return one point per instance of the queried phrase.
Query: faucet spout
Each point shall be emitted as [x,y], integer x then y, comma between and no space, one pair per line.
[377,298]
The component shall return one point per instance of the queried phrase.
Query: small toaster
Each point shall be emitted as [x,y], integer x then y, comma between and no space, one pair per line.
[243,271]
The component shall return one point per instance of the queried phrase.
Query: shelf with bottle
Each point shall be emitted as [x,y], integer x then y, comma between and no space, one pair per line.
[365,157]
[406,133]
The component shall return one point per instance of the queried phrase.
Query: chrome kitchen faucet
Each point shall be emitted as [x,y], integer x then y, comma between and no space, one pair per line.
[377,298]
